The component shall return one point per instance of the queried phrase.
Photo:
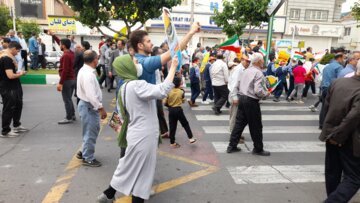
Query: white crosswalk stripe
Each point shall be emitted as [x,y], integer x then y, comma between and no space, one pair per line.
[266,129]
[264,117]
[278,146]
[277,174]
[302,120]
[263,108]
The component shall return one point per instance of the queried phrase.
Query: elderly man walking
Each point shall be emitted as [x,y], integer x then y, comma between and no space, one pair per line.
[90,108]
[219,75]
[252,88]
[341,132]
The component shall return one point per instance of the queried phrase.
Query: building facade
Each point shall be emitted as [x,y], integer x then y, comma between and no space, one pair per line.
[317,23]
[351,30]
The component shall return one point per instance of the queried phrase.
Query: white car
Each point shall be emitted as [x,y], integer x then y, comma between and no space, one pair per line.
[53,58]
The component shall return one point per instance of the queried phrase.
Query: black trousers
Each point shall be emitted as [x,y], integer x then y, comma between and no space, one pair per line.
[12,108]
[24,57]
[161,116]
[338,161]
[67,93]
[291,86]
[248,113]
[324,92]
[41,61]
[177,114]
[221,94]
[309,84]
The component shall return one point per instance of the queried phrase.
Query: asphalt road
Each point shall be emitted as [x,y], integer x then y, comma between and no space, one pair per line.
[39,166]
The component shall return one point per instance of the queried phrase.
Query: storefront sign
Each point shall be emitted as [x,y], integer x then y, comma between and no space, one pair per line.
[63,25]
[315,30]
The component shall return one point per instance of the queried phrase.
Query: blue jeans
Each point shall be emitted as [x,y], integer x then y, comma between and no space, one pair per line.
[195,91]
[34,60]
[90,120]
[208,91]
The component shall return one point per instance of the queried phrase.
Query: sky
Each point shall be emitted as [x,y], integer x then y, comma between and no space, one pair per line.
[346,6]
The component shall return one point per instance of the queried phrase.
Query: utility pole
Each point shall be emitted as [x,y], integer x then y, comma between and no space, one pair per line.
[12,13]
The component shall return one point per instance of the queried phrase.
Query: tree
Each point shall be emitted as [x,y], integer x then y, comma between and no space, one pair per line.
[5,20]
[355,11]
[236,15]
[96,13]
[27,27]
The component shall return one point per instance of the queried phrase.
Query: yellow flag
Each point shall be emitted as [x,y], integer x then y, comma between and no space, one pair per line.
[204,62]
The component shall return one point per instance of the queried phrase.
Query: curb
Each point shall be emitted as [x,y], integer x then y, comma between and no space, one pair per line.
[47,79]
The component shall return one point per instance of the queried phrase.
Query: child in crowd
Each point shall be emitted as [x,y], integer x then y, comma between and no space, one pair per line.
[299,81]
[174,100]
[194,81]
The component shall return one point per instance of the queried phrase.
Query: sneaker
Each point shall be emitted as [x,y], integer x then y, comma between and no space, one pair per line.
[93,163]
[261,153]
[216,111]
[103,199]
[11,133]
[205,102]
[300,102]
[79,155]
[314,109]
[192,140]
[20,129]
[73,118]
[276,100]
[65,121]
[231,149]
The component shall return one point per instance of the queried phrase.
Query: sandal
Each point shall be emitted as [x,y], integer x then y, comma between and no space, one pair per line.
[175,145]
[192,140]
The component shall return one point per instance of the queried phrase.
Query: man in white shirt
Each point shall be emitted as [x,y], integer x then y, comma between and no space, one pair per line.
[185,62]
[233,86]
[219,75]
[24,50]
[90,108]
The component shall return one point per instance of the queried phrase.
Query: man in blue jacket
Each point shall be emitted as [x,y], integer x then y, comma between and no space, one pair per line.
[34,51]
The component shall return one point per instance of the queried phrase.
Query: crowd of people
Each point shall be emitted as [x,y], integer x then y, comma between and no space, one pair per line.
[146,80]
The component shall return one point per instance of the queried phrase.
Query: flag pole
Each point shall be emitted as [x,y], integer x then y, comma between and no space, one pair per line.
[269,38]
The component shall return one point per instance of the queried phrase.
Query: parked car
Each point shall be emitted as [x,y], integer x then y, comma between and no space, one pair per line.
[52,59]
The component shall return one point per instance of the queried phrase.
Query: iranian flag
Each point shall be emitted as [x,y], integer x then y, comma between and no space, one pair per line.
[299,55]
[263,52]
[231,44]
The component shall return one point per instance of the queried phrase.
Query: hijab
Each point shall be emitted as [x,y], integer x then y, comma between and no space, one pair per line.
[126,70]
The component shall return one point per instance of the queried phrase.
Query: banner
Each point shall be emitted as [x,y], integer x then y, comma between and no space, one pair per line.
[172,39]
[62,25]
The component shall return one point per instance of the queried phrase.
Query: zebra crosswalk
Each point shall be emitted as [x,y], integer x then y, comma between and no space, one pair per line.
[291,120]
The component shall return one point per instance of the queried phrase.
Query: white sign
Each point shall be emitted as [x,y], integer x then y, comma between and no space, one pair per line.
[274,6]
[315,30]
[287,43]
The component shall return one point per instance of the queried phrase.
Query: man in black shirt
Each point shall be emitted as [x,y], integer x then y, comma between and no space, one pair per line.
[11,91]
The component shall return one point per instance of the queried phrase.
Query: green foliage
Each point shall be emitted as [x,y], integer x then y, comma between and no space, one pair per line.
[95,13]
[27,27]
[5,20]
[236,15]
[327,58]
[355,11]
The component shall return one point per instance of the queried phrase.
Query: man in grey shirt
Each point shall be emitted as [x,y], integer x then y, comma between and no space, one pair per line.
[252,88]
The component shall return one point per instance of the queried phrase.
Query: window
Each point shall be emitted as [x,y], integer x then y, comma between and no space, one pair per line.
[347,31]
[295,14]
[318,15]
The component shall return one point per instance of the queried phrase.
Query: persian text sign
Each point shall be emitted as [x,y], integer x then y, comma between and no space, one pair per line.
[64,25]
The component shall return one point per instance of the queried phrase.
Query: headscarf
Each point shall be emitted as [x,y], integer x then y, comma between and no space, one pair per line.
[126,70]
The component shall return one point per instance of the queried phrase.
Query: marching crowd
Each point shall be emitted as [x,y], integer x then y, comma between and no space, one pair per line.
[146,80]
